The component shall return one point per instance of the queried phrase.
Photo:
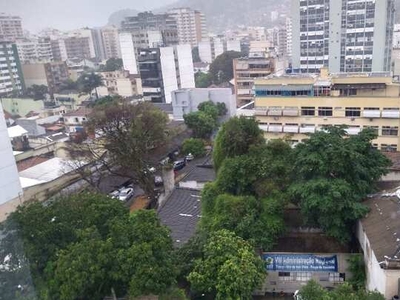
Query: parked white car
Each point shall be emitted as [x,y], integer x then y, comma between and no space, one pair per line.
[126,194]
[114,194]
[297,296]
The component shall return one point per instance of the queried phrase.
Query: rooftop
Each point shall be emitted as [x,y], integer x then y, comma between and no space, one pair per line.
[180,213]
[80,112]
[382,224]
[16,131]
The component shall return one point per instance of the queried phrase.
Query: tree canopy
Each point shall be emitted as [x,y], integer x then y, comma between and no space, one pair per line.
[236,137]
[89,82]
[194,147]
[113,64]
[87,247]
[202,80]
[229,269]
[37,92]
[334,173]
[201,123]
[221,69]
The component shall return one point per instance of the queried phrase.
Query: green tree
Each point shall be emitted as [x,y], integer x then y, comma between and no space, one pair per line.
[202,80]
[335,172]
[195,55]
[230,269]
[357,270]
[37,92]
[222,110]
[201,124]
[89,82]
[258,221]
[194,146]
[113,64]
[209,108]
[221,69]
[313,291]
[235,138]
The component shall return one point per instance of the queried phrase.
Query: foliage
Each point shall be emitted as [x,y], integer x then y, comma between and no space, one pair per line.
[357,270]
[194,146]
[195,55]
[203,80]
[221,69]
[335,172]
[209,108]
[68,85]
[37,92]
[132,134]
[222,110]
[87,247]
[200,123]
[235,138]
[89,82]
[258,221]
[113,64]
[313,291]
[230,269]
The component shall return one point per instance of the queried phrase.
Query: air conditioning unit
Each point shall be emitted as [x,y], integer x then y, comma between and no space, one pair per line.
[353,119]
[276,118]
[371,119]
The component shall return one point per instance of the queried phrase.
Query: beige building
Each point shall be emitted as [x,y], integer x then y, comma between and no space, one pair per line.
[111,44]
[120,83]
[293,106]
[246,70]
[10,28]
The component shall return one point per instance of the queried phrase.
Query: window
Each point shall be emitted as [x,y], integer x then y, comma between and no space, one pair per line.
[285,276]
[325,111]
[375,129]
[308,111]
[392,131]
[76,120]
[389,148]
[336,277]
[353,112]
[303,276]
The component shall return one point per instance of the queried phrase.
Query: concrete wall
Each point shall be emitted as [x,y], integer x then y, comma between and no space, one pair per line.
[169,74]
[34,74]
[205,52]
[21,106]
[128,52]
[185,66]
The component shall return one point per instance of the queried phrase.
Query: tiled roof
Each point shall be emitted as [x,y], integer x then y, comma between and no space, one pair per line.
[80,112]
[181,213]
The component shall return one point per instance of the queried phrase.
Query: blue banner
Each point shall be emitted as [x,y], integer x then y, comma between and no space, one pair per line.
[301,262]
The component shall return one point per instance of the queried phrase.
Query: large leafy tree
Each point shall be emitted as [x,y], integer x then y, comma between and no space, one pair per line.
[201,123]
[235,138]
[229,269]
[113,64]
[335,172]
[132,136]
[194,146]
[202,80]
[221,69]
[89,82]
[37,92]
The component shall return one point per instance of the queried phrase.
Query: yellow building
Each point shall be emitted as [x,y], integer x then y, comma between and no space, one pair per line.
[293,106]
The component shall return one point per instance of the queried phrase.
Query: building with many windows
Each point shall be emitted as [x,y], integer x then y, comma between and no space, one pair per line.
[293,106]
[34,50]
[11,80]
[10,28]
[110,41]
[213,47]
[343,35]
[191,25]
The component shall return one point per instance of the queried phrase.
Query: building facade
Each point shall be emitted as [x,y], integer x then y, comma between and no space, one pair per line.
[11,80]
[344,35]
[212,48]
[248,69]
[191,25]
[34,50]
[10,28]
[297,105]
[111,44]
[120,83]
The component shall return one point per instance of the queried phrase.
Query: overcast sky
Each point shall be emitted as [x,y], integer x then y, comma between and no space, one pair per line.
[70,14]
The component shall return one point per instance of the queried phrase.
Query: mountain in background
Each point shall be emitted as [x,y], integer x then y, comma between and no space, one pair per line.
[117,17]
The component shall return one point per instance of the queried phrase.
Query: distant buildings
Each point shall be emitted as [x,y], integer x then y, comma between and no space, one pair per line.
[185,101]
[34,50]
[120,83]
[346,36]
[11,81]
[296,105]
[10,28]
[111,44]
[213,47]
[51,74]
[191,25]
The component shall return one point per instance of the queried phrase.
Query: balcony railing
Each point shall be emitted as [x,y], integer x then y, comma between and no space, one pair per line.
[275,128]
[291,129]
[391,114]
[371,114]
[353,130]
[275,112]
[307,129]
[289,112]
[263,127]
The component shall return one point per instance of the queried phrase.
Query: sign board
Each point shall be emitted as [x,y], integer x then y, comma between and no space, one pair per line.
[300,262]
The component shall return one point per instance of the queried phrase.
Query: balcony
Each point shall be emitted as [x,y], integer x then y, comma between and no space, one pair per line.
[275,112]
[371,113]
[263,127]
[245,112]
[260,112]
[353,130]
[275,128]
[290,112]
[391,114]
[291,129]
[307,129]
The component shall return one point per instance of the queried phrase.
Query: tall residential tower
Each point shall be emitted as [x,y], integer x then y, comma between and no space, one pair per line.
[343,35]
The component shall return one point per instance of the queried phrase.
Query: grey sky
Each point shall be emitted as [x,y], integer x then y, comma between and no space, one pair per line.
[70,14]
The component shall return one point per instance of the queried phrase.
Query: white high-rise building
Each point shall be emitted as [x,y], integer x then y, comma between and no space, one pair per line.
[343,35]
[212,48]
[10,28]
[289,35]
[34,50]
[111,43]
[191,25]
[128,52]
[10,186]
[396,36]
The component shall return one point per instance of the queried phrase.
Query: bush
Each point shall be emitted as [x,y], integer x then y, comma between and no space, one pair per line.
[194,146]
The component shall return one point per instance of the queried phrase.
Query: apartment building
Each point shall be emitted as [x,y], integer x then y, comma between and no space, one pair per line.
[343,35]
[51,74]
[191,25]
[248,69]
[120,83]
[34,50]
[213,47]
[293,106]
[151,30]
[164,70]
[289,36]
[110,41]
[10,28]
[11,80]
